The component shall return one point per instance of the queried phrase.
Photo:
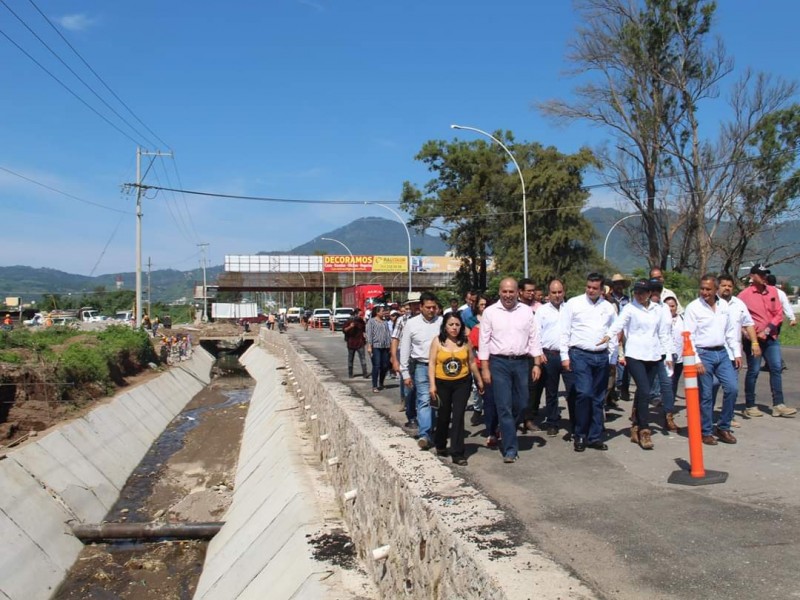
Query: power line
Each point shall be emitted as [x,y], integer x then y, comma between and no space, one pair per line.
[66,87]
[261,198]
[100,79]
[71,70]
[52,189]
[103,253]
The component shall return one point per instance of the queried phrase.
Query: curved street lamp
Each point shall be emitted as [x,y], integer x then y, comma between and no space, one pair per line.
[521,180]
[605,243]
[408,235]
[352,259]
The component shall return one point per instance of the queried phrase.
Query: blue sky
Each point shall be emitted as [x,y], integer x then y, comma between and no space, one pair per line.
[305,99]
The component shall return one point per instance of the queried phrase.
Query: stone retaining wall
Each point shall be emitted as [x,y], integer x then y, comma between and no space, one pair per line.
[75,473]
[421,531]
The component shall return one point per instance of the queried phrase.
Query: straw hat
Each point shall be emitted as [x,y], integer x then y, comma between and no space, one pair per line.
[620,278]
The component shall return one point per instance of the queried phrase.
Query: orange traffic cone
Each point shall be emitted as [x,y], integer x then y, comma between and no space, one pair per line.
[697,474]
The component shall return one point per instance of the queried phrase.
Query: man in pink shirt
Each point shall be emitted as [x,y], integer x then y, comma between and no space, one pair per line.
[508,339]
[765,307]
[527,296]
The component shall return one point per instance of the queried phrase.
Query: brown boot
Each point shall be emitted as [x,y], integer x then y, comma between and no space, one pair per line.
[645,441]
[634,434]
[670,422]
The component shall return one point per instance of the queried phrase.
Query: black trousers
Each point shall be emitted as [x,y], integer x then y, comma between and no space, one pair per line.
[453,396]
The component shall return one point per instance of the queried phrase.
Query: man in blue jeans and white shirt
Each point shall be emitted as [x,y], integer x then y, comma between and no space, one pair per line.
[713,330]
[585,320]
[415,347]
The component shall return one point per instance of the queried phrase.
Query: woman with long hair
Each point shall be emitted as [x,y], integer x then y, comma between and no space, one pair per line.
[450,363]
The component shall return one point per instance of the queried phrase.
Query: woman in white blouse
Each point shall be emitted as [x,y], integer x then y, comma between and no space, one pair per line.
[647,343]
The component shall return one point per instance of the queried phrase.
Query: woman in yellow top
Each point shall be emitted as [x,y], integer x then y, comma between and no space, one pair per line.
[449,366]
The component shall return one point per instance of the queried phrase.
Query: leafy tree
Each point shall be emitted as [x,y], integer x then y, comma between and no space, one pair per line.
[475,203]
[768,189]
[460,201]
[638,55]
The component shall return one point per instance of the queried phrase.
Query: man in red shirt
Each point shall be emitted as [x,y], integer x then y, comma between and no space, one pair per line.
[765,307]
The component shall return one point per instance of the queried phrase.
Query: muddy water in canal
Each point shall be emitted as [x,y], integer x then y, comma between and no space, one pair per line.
[186,476]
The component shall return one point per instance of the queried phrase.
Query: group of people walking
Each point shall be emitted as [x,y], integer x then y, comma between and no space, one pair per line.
[506,354]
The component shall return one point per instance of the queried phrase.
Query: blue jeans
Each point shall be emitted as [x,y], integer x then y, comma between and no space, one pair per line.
[409,399]
[623,380]
[717,363]
[771,351]
[380,365]
[591,376]
[645,374]
[664,386]
[423,393]
[552,371]
[489,411]
[510,386]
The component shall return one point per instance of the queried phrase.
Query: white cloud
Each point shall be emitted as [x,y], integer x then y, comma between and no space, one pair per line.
[76,22]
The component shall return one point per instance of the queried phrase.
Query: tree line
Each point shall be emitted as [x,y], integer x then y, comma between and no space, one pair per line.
[650,72]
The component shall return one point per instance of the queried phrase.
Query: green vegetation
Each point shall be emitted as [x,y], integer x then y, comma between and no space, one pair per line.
[790,336]
[10,357]
[81,357]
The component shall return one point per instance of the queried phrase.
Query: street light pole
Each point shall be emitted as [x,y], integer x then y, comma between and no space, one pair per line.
[605,243]
[408,235]
[521,180]
[203,247]
[352,258]
[305,299]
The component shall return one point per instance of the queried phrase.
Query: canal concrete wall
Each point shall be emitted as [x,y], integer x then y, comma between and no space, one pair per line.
[74,474]
[263,550]
[420,530]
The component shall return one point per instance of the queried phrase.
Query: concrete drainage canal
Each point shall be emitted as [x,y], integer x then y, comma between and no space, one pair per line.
[153,541]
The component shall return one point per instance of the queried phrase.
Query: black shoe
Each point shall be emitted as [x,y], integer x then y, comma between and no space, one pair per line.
[442,452]
[476,418]
[597,446]
[412,423]
[460,461]
[552,431]
[580,444]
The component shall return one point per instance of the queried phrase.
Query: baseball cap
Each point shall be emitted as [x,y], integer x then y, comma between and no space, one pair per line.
[759,269]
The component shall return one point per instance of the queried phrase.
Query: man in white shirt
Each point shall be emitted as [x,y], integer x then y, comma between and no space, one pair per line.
[548,319]
[415,346]
[712,329]
[584,322]
[788,311]
[656,273]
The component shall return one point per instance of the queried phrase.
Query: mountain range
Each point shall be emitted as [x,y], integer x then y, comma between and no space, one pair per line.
[368,235]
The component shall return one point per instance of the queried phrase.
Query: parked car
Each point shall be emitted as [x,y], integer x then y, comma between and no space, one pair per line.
[341,316]
[321,317]
[293,314]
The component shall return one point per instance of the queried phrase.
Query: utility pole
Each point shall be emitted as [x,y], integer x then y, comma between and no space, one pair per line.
[139,177]
[203,247]
[149,308]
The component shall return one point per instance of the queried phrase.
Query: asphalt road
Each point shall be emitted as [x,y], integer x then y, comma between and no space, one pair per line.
[612,518]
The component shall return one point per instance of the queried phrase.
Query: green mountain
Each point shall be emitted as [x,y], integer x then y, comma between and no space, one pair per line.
[374,235]
[368,235]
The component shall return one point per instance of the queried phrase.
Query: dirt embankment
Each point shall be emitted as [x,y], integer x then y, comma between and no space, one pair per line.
[33,399]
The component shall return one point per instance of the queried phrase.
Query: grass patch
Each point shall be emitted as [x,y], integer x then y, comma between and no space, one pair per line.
[8,356]
[790,336]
